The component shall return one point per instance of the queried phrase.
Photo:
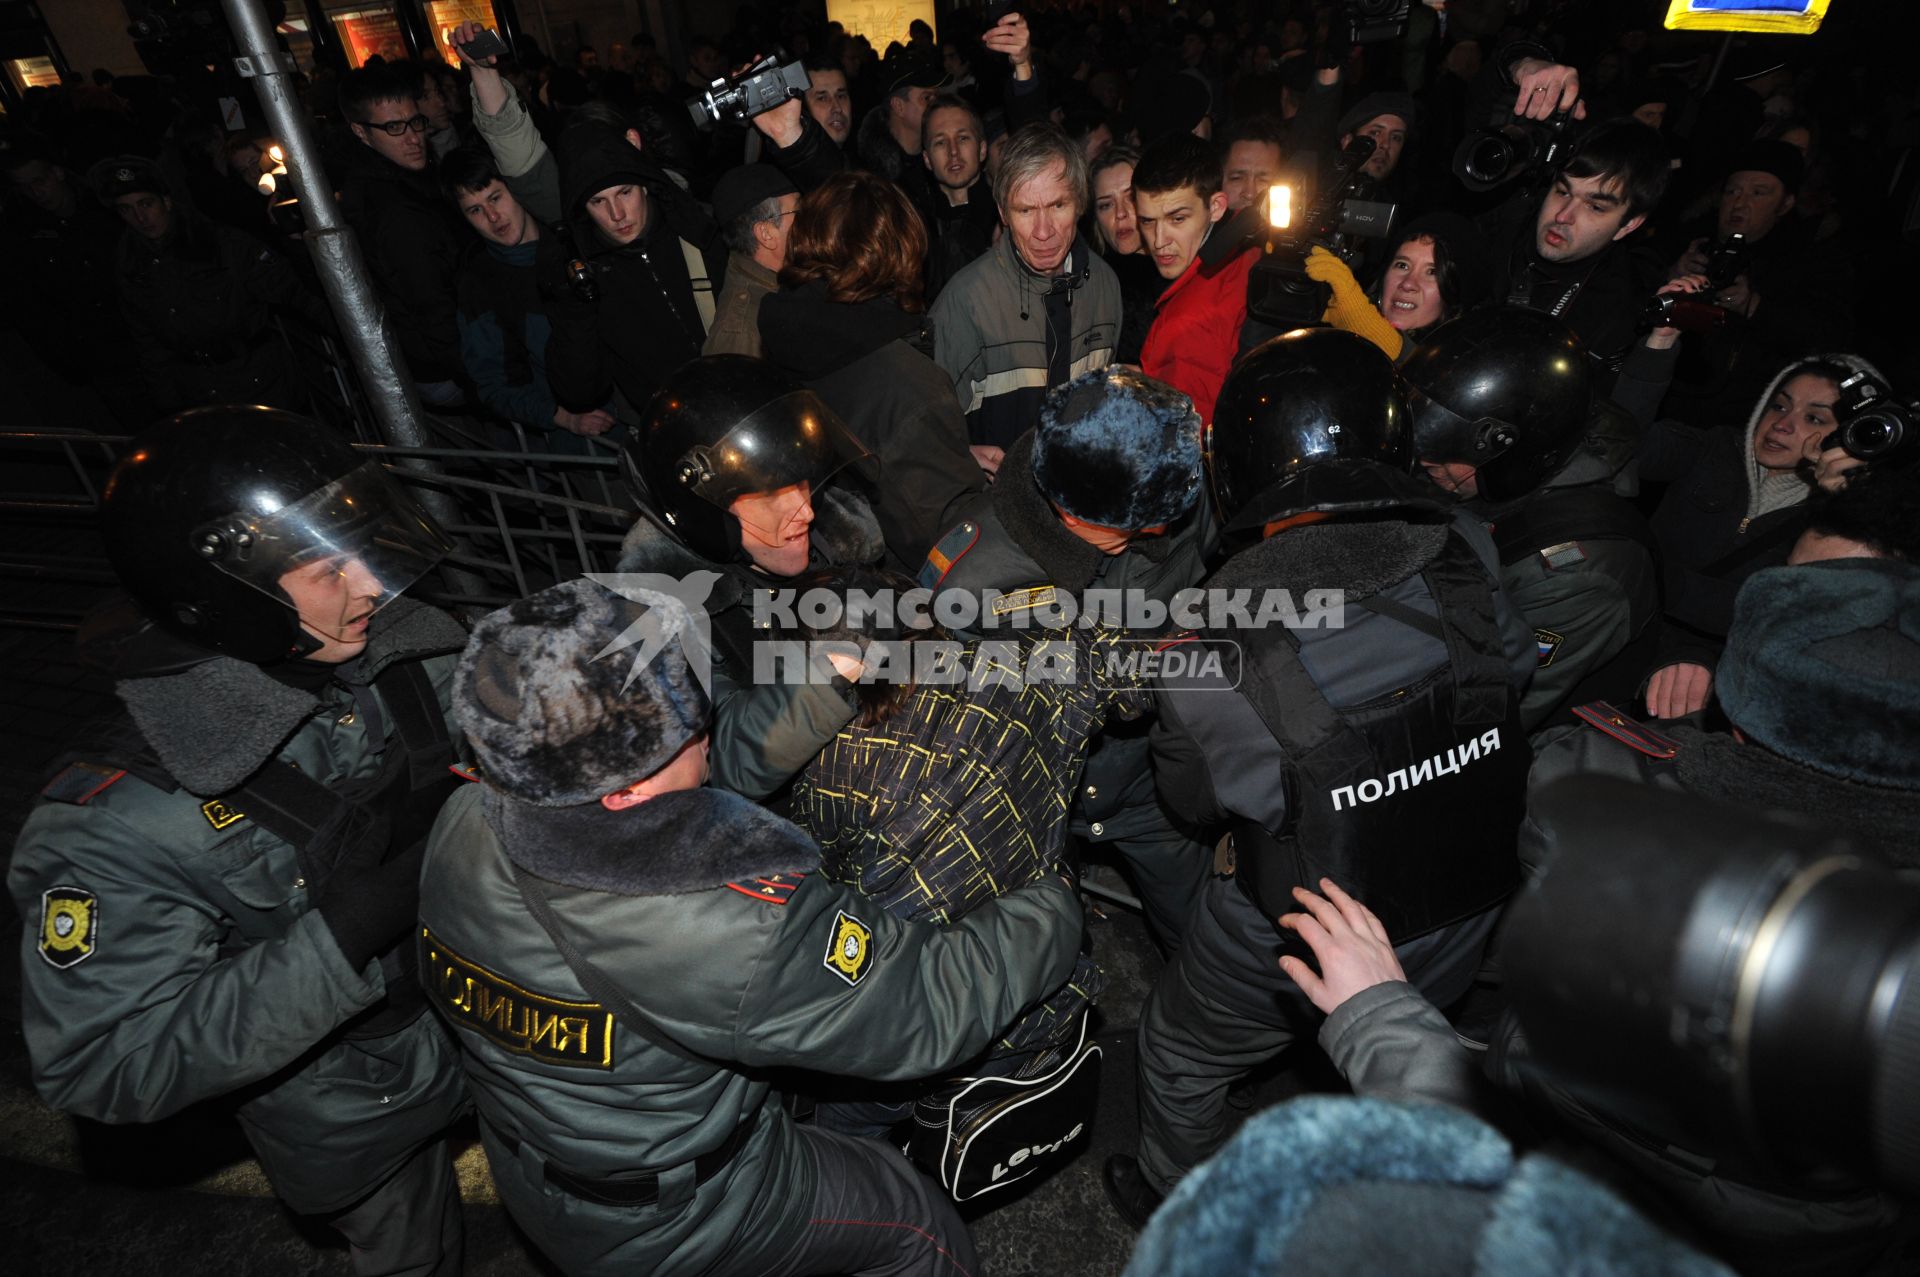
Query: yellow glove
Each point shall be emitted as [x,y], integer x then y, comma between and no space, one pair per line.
[1350,309]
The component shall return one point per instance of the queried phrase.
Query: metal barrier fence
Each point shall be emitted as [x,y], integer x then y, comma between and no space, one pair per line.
[528,515]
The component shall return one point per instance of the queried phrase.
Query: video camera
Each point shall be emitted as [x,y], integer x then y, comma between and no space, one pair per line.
[1512,146]
[1371,21]
[739,98]
[1874,426]
[1279,290]
[1743,986]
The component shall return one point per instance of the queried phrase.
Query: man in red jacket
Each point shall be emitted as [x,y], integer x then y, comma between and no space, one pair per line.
[1196,327]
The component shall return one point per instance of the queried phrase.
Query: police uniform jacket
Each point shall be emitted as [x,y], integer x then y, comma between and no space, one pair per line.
[172,953]
[764,729]
[702,914]
[1015,558]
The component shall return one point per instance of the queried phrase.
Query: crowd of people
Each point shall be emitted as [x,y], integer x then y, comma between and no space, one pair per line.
[1004,323]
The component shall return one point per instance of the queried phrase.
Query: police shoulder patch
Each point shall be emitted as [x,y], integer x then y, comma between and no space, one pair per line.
[1024,600]
[69,925]
[949,550]
[219,815]
[1628,730]
[772,889]
[1548,644]
[850,952]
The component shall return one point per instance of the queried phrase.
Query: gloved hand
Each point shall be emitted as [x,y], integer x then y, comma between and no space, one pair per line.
[1350,307]
[367,903]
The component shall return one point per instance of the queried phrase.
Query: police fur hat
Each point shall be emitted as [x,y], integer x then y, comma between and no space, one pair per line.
[549,696]
[1333,1185]
[125,174]
[1117,448]
[1822,667]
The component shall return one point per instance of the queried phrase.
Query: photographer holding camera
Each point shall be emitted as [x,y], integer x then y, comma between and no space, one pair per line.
[1785,295]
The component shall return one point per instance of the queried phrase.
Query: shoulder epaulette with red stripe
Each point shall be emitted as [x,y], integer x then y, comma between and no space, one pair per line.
[81,783]
[949,550]
[772,889]
[1627,730]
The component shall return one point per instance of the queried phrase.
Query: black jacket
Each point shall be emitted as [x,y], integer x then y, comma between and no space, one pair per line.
[957,233]
[642,320]
[864,361]
[412,239]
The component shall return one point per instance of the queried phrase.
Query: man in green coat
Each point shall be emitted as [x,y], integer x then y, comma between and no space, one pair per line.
[624,953]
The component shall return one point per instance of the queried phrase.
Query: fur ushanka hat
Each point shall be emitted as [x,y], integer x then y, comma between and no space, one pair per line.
[1822,667]
[1117,448]
[549,695]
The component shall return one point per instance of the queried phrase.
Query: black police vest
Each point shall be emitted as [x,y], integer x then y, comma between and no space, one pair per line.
[1411,801]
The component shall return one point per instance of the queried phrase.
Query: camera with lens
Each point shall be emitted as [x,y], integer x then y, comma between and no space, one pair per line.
[738,98]
[1371,21]
[1678,310]
[1727,261]
[1874,426]
[1280,293]
[1741,984]
[1511,147]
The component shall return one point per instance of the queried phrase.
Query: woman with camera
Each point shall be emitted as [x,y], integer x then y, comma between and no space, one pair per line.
[1735,503]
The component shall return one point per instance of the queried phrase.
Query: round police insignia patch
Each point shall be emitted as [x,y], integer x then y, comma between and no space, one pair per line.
[851,948]
[69,925]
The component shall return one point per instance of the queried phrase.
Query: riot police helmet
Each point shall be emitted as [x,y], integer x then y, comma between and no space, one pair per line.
[724,427]
[206,513]
[1504,389]
[1311,421]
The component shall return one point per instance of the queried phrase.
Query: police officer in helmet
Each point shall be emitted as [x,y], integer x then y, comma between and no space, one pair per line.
[1338,748]
[743,479]
[220,883]
[1505,418]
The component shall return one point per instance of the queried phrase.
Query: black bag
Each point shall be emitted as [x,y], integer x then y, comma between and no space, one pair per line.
[984,1133]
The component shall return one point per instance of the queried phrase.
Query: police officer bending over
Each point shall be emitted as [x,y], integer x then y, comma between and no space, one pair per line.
[218,888]
[1350,752]
[625,952]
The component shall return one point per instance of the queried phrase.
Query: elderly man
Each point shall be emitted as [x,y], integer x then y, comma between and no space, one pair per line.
[1038,310]
[754,205]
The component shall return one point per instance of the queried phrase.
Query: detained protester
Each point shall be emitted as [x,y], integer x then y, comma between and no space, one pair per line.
[1736,500]
[950,790]
[200,298]
[218,884]
[1102,499]
[1505,420]
[681,942]
[1281,741]
[1039,310]
[851,325]
[745,479]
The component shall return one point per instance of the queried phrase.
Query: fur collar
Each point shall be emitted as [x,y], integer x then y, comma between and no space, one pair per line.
[1029,519]
[214,723]
[679,843]
[1362,558]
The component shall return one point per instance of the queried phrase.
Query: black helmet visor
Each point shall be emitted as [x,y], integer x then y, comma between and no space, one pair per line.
[363,518]
[793,439]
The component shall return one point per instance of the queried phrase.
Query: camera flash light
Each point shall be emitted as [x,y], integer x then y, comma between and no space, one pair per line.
[1280,206]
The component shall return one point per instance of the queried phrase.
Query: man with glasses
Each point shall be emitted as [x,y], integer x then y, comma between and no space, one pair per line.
[412,243]
[754,205]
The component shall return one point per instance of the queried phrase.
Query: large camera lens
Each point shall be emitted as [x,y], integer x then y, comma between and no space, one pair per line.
[1485,159]
[1723,980]
[1871,435]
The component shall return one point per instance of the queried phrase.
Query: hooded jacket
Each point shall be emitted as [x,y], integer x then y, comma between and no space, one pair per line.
[412,241]
[1005,335]
[868,361]
[652,299]
[1720,502]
